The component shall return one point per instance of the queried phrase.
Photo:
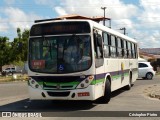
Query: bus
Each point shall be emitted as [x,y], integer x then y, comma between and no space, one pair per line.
[79,60]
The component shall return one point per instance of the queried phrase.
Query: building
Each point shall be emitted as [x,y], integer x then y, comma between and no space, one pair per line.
[152,55]
[155,51]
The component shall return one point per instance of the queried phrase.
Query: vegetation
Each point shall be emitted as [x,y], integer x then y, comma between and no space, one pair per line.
[11,78]
[14,52]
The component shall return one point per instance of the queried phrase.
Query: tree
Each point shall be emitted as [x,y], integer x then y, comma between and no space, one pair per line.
[20,46]
[24,45]
[16,51]
[4,51]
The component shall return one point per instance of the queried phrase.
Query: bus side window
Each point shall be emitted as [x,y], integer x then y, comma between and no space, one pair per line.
[119,48]
[124,49]
[129,49]
[113,46]
[122,46]
[98,45]
[135,50]
[106,39]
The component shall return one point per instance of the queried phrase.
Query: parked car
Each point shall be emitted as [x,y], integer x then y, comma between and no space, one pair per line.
[145,70]
[9,70]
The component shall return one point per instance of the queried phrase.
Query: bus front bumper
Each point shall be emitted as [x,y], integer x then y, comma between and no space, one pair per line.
[76,94]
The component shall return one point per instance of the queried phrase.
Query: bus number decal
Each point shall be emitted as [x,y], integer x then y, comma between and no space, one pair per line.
[38,64]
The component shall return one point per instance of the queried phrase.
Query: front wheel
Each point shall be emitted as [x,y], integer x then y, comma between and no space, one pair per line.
[107,93]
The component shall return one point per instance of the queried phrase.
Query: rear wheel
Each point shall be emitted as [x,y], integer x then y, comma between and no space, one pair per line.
[149,76]
[107,93]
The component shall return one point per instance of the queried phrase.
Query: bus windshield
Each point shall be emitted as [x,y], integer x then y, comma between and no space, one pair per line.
[60,54]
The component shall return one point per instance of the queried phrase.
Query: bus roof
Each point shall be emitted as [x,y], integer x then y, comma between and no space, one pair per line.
[75,16]
[94,24]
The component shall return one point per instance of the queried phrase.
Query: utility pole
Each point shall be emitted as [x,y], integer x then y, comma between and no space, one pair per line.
[104,8]
[123,29]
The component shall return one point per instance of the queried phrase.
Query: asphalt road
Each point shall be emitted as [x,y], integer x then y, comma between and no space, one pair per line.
[14,97]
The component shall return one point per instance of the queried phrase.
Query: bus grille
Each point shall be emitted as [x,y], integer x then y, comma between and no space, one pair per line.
[59,94]
[53,87]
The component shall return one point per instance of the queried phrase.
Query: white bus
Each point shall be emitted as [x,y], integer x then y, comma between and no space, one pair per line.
[79,60]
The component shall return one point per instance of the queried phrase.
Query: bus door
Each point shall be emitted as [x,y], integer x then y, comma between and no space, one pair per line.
[99,62]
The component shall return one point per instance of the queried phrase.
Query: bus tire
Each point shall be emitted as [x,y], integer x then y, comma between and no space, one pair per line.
[107,93]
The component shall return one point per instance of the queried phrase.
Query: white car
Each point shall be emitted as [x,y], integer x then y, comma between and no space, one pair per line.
[10,70]
[145,70]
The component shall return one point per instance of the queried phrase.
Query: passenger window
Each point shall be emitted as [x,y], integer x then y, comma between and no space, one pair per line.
[125,49]
[113,46]
[98,45]
[129,49]
[135,49]
[106,38]
[119,47]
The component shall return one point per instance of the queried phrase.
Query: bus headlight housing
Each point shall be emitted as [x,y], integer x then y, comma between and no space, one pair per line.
[86,82]
[33,83]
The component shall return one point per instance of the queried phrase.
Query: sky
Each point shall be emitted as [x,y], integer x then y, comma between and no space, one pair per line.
[141,18]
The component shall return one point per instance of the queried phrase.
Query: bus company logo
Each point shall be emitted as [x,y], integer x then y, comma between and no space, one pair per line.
[6,114]
[58,86]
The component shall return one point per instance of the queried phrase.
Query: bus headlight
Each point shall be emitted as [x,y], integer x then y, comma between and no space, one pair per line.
[33,83]
[86,82]
[36,86]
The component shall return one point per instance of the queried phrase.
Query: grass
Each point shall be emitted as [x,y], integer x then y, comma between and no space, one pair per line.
[157,73]
[11,78]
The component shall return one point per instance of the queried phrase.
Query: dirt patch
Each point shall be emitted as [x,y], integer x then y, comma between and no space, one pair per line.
[152,91]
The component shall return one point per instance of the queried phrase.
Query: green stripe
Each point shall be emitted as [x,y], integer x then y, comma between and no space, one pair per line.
[97,81]
[115,77]
[55,83]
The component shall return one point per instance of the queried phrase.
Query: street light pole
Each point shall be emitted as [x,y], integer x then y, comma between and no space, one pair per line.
[123,29]
[104,8]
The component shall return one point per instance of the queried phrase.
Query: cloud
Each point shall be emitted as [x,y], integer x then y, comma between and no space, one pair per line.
[149,23]
[146,38]
[123,23]
[136,18]
[9,1]
[18,18]
[115,9]
[45,2]
[142,21]
[3,25]
[12,18]
[60,11]
[150,17]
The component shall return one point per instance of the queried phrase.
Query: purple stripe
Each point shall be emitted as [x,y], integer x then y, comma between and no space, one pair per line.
[102,75]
